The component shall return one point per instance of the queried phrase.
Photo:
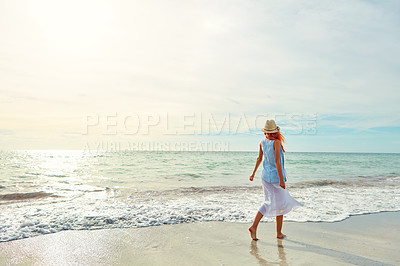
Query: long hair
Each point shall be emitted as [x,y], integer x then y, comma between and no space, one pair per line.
[276,135]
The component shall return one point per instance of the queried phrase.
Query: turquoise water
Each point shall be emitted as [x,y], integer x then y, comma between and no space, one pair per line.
[166,170]
[48,191]
[323,165]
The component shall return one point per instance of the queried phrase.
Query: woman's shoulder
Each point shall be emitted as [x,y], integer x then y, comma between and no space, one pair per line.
[277,143]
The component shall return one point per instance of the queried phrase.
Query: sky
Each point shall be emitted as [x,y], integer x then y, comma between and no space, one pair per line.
[131,74]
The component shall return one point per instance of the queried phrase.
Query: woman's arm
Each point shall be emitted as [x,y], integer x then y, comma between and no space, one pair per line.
[277,147]
[259,160]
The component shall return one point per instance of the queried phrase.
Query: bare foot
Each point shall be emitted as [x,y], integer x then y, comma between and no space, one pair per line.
[253,233]
[280,236]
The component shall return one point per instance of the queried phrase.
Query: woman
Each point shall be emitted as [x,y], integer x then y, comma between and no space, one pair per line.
[277,199]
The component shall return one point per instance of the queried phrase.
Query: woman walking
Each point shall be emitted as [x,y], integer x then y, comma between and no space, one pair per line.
[277,199]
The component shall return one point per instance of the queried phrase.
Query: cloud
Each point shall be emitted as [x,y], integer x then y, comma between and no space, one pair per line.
[338,60]
[6,132]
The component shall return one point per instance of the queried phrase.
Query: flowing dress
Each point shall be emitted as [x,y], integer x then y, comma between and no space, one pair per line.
[278,201]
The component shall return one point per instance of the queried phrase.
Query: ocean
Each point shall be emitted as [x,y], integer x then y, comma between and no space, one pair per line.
[44,192]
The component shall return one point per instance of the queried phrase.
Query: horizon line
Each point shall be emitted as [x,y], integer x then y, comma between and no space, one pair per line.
[144,150]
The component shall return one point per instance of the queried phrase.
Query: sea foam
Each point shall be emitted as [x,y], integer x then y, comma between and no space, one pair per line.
[324,201]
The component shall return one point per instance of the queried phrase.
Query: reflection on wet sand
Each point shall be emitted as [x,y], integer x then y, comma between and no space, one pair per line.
[261,261]
[255,253]
[282,253]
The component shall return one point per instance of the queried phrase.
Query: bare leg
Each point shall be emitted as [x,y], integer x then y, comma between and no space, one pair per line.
[279,222]
[253,227]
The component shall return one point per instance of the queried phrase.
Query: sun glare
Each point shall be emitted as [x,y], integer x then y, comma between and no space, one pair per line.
[74,27]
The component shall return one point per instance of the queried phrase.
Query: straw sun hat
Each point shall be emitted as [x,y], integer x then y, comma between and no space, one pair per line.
[270,127]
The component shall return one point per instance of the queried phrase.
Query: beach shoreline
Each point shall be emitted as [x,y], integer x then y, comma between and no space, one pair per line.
[371,239]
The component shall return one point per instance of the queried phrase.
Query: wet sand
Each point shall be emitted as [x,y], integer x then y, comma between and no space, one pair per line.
[372,239]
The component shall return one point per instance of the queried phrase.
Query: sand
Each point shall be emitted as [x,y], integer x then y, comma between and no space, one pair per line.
[372,239]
